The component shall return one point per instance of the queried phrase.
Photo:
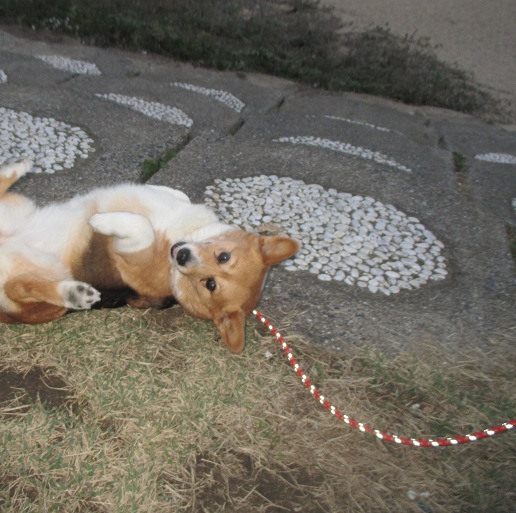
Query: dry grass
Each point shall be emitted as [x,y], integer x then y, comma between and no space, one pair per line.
[150,414]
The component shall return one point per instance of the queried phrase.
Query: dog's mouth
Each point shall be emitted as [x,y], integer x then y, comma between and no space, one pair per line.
[175,248]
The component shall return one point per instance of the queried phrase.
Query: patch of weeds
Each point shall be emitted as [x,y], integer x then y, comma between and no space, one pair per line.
[460,169]
[151,166]
[511,235]
[12,493]
[296,39]
[269,435]
[456,393]
[459,163]
[406,69]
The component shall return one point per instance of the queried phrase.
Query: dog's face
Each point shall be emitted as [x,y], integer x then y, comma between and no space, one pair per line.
[222,278]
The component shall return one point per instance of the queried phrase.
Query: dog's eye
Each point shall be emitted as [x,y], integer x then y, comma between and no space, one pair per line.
[223,257]
[211,284]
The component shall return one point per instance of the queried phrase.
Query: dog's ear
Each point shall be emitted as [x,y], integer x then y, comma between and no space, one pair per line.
[232,330]
[277,248]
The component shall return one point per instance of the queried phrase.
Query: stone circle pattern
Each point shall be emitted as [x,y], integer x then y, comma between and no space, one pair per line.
[72,65]
[342,147]
[354,239]
[499,158]
[52,145]
[154,110]
[360,123]
[224,97]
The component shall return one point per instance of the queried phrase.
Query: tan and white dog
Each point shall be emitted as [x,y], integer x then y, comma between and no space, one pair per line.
[148,238]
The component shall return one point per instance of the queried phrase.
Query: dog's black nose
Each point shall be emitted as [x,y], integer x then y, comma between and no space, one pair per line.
[183,255]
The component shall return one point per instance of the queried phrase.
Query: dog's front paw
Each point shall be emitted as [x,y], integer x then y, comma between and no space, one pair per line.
[78,295]
[130,232]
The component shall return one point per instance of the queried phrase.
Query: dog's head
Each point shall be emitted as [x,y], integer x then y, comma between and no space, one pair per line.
[222,278]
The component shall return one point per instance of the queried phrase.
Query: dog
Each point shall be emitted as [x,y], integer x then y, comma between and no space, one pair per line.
[148,238]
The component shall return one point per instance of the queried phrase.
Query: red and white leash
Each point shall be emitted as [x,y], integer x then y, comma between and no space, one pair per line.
[416,442]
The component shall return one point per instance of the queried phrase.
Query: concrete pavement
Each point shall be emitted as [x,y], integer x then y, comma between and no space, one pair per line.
[403,212]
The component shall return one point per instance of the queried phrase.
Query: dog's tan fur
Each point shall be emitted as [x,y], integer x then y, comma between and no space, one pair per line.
[239,281]
[54,258]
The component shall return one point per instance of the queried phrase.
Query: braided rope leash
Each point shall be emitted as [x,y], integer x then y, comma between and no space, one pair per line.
[416,442]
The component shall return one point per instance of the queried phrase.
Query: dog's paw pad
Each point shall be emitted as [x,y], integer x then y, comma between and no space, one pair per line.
[78,295]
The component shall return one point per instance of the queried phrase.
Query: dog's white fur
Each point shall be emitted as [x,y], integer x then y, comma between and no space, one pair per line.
[54,258]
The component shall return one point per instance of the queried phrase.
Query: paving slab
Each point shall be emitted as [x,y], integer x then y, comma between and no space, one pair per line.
[403,212]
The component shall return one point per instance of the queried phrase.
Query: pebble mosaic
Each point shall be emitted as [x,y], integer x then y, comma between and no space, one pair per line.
[52,145]
[352,239]
[224,97]
[343,147]
[361,123]
[499,158]
[72,65]
[154,110]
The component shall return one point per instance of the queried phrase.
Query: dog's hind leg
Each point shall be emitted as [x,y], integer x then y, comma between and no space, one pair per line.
[9,173]
[38,299]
